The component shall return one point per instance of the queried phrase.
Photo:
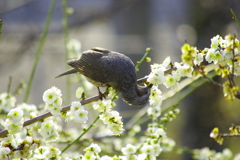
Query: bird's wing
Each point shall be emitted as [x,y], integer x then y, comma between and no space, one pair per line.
[99,49]
[90,65]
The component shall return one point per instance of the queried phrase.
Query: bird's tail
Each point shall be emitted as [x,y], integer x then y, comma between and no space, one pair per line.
[71,71]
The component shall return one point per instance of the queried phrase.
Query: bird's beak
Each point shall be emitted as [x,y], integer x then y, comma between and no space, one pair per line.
[150,86]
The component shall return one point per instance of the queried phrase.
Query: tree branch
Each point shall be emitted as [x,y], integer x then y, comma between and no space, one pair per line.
[83,102]
[64,109]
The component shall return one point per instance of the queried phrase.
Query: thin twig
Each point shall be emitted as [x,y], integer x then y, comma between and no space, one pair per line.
[39,50]
[235,18]
[80,136]
[1,23]
[228,135]
[66,40]
[210,79]
[231,76]
[9,84]
[139,63]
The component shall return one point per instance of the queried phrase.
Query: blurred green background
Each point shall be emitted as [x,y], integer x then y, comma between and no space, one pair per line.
[129,27]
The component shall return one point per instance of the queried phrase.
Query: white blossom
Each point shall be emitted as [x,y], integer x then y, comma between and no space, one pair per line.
[49,96]
[79,92]
[49,130]
[156,76]
[155,98]
[198,59]
[15,115]
[115,128]
[81,116]
[170,80]
[129,149]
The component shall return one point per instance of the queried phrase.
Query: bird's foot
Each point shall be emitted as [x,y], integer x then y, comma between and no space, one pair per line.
[101,95]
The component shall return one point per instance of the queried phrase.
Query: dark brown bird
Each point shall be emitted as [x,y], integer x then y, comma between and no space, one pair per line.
[108,68]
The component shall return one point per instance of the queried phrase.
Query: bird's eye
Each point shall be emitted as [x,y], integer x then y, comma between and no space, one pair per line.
[147,91]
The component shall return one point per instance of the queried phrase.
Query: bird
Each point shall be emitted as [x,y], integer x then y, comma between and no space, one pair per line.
[105,68]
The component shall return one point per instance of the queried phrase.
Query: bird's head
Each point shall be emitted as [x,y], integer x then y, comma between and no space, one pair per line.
[142,95]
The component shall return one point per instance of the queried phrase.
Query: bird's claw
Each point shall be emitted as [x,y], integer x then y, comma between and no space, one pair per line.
[101,95]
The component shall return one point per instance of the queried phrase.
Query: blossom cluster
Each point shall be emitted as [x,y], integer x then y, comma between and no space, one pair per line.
[92,151]
[215,135]
[30,110]
[206,153]
[155,101]
[7,102]
[151,146]
[14,121]
[16,148]
[12,146]
[219,137]
[77,113]
[49,130]
[15,114]
[53,100]
[159,72]
[148,151]
[170,115]
[109,117]
[47,152]
[223,52]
